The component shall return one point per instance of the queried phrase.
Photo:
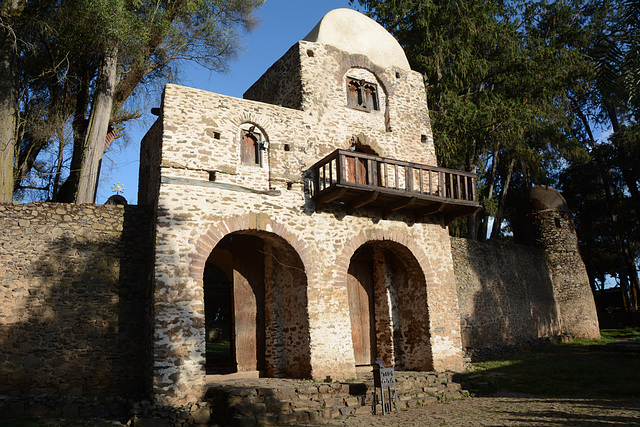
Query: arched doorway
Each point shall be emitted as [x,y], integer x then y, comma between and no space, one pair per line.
[265,296]
[357,168]
[388,307]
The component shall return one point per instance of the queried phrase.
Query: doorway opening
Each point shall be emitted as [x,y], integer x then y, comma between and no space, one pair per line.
[253,279]
[388,307]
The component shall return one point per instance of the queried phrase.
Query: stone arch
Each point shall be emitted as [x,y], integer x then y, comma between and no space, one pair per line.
[268,300]
[361,61]
[250,221]
[386,87]
[259,121]
[388,306]
[343,259]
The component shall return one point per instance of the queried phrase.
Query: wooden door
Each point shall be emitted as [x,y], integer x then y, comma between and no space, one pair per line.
[248,302]
[357,170]
[361,308]
[250,149]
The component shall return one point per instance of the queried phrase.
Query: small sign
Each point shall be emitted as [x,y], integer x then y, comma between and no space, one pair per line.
[387,378]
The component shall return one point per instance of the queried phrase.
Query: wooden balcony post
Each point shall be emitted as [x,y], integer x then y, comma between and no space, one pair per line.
[408,179]
[340,166]
[315,180]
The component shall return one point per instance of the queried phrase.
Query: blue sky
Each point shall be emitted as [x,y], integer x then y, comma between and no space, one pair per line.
[282,24]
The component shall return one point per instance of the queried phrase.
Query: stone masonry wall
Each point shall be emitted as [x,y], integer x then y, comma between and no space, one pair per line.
[74,292]
[206,193]
[505,294]
[149,172]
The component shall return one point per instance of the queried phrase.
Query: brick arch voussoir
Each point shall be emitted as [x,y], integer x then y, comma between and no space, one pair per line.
[250,221]
[263,123]
[344,259]
[361,61]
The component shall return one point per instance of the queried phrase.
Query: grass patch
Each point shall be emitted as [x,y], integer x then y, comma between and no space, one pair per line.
[574,369]
[219,349]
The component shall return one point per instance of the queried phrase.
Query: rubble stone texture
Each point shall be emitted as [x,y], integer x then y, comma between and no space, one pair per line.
[316,292]
[297,321]
[74,292]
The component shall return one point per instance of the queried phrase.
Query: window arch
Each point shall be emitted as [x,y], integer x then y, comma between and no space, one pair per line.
[251,145]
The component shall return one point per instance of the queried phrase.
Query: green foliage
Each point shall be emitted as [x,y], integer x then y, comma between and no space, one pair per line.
[61,45]
[496,74]
[517,91]
[219,349]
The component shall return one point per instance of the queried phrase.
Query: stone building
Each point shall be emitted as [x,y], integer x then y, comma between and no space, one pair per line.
[299,232]
[305,224]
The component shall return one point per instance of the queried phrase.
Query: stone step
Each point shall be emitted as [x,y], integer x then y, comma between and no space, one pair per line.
[287,402]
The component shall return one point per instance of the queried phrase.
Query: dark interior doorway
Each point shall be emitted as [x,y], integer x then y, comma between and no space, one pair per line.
[218,320]
[234,305]
[253,279]
[388,307]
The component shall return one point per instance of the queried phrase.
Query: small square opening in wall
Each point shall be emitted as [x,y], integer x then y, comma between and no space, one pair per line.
[557,221]
[289,185]
[212,176]
[423,139]
[287,147]
[216,135]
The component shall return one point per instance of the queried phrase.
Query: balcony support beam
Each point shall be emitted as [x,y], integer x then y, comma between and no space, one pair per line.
[362,201]
[329,197]
[400,204]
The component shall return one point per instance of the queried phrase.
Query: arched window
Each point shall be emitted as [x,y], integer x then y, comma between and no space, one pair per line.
[251,145]
[362,95]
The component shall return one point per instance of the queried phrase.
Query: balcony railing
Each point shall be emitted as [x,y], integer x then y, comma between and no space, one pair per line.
[359,179]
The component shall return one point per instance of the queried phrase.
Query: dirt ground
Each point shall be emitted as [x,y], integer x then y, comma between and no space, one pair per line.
[508,411]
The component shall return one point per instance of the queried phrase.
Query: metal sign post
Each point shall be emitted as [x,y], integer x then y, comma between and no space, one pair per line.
[385,378]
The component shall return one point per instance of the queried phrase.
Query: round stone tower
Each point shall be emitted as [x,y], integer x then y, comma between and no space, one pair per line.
[557,236]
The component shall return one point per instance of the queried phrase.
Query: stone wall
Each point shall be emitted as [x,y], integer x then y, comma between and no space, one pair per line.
[149,172]
[74,300]
[505,294]
[75,296]
[207,195]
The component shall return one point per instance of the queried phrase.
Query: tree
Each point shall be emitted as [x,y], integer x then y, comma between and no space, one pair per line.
[495,87]
[8,96]
[89,57]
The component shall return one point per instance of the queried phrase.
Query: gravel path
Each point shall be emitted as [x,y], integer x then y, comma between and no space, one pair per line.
[508,411]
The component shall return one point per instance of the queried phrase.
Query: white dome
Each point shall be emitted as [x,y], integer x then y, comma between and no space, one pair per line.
[353,32]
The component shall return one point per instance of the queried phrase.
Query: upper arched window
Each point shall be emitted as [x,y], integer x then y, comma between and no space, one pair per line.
[251,145]
[362,95]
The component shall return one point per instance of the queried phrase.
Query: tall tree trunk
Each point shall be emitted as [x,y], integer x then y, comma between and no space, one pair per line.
[623,271]
[484,225]
[472,220]
[56,178]
[495,231]
[8,101]
[94,141]
[634,283]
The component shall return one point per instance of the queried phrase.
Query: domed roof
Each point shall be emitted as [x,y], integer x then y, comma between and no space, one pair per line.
[543,198]
[353,32]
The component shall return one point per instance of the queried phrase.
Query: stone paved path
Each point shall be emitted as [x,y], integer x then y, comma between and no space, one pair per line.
[508,411]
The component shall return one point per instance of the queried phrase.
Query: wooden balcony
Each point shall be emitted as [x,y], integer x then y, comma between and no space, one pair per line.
[358,180]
